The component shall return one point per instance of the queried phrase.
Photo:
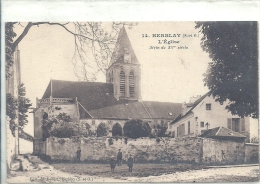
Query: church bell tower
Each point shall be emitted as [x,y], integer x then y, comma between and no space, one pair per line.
[124,70]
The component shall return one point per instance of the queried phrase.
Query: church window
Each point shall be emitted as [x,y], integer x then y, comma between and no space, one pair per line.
[122,83]
[131,84]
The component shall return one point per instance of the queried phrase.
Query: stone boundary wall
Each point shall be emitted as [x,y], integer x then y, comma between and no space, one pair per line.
[251,152]
[182,149]
[222,151]
[143,149]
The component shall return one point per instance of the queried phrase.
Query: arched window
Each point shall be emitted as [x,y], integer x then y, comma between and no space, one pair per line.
[132,84]
[122,83]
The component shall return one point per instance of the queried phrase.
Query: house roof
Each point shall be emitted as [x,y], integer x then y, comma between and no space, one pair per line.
[91,95]
[193,106]
[139,110]
[221,132]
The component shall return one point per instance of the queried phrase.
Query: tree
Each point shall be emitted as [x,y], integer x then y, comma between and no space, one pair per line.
[233,72]
[63,130]
[117,130]
[102,130]
[54,125]
[136,128]
[23,106]
[160,129]
[11,106]
[93,44]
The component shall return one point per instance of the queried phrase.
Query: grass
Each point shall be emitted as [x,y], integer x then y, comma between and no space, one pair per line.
[139,170]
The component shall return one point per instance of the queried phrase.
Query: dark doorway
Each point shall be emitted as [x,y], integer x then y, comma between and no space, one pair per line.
[117,130]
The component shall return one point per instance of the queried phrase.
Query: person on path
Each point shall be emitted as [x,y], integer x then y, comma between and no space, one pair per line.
[112,164]
[78,154]
[130,163]
[119,157]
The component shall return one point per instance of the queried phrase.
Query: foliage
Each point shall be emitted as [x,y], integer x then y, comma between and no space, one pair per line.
[117,130]
[136,128]
[160,129]
[9,35]
[233,73]
[52,126]
[63,130]
[94,44]
[24,105]
[11,106]
[102,130]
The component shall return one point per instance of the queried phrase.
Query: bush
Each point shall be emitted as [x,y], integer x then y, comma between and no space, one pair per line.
[160,129]
[102,130]
[59,126]
[136,128]
[63,130]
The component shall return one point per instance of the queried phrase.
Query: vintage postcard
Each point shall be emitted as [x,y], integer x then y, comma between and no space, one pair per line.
[131,101]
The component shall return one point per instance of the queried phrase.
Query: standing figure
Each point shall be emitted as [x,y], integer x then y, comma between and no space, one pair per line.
[130,163]
[78,154]
[119,157]
[112,164]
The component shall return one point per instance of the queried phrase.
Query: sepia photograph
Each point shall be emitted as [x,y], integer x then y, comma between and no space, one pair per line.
[131,101]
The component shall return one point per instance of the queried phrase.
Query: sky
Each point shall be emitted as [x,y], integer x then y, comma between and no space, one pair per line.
[169,75]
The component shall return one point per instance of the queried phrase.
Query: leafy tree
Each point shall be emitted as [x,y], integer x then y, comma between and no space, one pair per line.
[102,130]
[63,130]
[117,130]
[23,107]
[233,72]
[60,121]
[93,44]
[160,129]
[9,35]
[136,128]
[11,106]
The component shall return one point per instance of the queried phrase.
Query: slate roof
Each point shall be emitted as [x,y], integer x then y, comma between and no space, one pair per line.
[133,110]
[219,132]
[96,100]
[180,116]
[139,110]
[91,95]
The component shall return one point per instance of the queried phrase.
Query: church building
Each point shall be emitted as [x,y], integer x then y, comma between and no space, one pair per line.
[119,100]
[114,102]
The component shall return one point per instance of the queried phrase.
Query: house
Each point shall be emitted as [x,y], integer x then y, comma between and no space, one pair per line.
[203,113]
[113,102]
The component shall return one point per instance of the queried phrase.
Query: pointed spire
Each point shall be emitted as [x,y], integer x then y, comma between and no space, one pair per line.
[123,45]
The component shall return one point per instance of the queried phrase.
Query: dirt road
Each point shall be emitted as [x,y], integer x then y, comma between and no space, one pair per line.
[231,174]
[48,174]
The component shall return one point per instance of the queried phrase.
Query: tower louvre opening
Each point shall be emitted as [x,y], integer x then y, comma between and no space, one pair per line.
[122,83]
[132,84]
